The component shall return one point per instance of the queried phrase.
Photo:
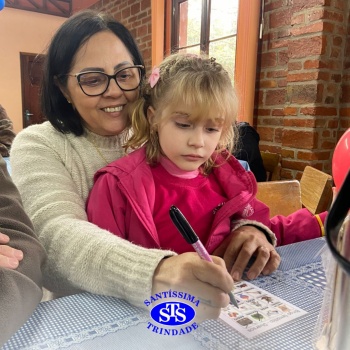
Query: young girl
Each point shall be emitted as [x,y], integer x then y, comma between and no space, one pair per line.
[183,132]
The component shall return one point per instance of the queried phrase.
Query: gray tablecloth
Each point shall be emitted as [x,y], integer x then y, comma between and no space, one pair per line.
[87,321]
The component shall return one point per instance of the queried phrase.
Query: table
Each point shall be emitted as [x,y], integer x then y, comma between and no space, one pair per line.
[87,321]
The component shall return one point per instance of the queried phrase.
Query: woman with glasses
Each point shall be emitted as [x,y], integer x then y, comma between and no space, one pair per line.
[92,75]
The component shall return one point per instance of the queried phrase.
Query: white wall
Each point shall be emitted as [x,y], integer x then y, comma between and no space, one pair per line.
[20,31]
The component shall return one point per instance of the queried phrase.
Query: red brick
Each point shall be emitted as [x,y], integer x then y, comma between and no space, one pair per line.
[268,59]
[141,31]
[287,153]
[135,8]
[275,97]
[308,29]
[145,4]
[302,76]
[278,135]
[294,66]
[335,52]
[271,148]
[294,164]
[307,47]
[300,94]
[264,112]
[310,64]
[277,44]
[266,133]
[323,111]
[277,112]
[287,174]
[282,83]
[345,96]
[303,139]
[272,121]
[297,19]
[313,155]
[299,122]
[280,18]
[316,14]
[326,133]
[290,111]
[333,124]
[345,112]
[283,58]
[268,84]
[338,41]
[302,5]
[277,73]
[328,145]
[126,12]
[273,5]
[345,123]
[333,16]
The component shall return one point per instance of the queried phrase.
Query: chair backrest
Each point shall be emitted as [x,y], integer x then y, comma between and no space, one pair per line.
[282,197]
[272,165]
[316,190]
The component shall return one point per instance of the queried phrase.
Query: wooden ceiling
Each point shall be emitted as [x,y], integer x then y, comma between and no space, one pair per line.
[62,8]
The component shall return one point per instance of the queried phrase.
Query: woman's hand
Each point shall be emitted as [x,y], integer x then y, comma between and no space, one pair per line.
[241,245]
[207,281]
[9,257]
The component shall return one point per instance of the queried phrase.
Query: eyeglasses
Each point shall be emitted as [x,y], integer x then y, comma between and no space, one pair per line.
[94,83]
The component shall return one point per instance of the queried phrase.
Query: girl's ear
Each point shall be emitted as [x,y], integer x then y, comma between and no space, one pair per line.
[150,114]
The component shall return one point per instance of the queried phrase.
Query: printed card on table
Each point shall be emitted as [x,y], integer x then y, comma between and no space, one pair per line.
[259,310]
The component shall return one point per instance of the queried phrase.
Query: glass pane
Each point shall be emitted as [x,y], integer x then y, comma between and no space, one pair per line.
[224,52]
[190,22]
[195,50]
[223,18]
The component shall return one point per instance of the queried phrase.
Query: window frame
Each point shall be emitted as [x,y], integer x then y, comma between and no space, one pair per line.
[205,29]
[248,29]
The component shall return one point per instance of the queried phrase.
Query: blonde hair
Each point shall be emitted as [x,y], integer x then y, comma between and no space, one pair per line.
[195,81]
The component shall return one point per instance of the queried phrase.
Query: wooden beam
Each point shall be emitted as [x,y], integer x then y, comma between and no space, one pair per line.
[157,14]
[246,57]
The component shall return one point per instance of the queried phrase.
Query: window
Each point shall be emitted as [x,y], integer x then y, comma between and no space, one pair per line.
[208,26]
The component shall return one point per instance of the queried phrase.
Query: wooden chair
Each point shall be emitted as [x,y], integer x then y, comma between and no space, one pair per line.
[272,165]
[282,197]
[316,190]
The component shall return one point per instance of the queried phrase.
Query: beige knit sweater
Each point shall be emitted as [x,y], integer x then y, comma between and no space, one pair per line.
[54,174]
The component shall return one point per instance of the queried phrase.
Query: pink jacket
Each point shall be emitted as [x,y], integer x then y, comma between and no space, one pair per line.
[122,200]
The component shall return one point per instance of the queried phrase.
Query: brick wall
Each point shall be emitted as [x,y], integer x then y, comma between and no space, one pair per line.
[303,81]
[303,86]
[136,16]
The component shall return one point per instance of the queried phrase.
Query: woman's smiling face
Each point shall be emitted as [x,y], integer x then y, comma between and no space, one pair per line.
[106,114]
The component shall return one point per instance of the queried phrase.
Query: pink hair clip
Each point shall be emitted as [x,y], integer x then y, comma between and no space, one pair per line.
[154,77]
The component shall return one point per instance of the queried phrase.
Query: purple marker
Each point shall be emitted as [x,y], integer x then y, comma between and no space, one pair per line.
[190,236]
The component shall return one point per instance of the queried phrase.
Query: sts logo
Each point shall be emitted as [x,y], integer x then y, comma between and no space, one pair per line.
[173,314]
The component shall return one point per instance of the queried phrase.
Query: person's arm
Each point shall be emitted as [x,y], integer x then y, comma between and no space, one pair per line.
[54,185]
[255,238]
[20,288]
[83,257]
[9,257]
[185,272]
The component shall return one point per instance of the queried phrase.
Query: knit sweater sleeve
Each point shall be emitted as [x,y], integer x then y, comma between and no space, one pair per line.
[20,289]
[81,257]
